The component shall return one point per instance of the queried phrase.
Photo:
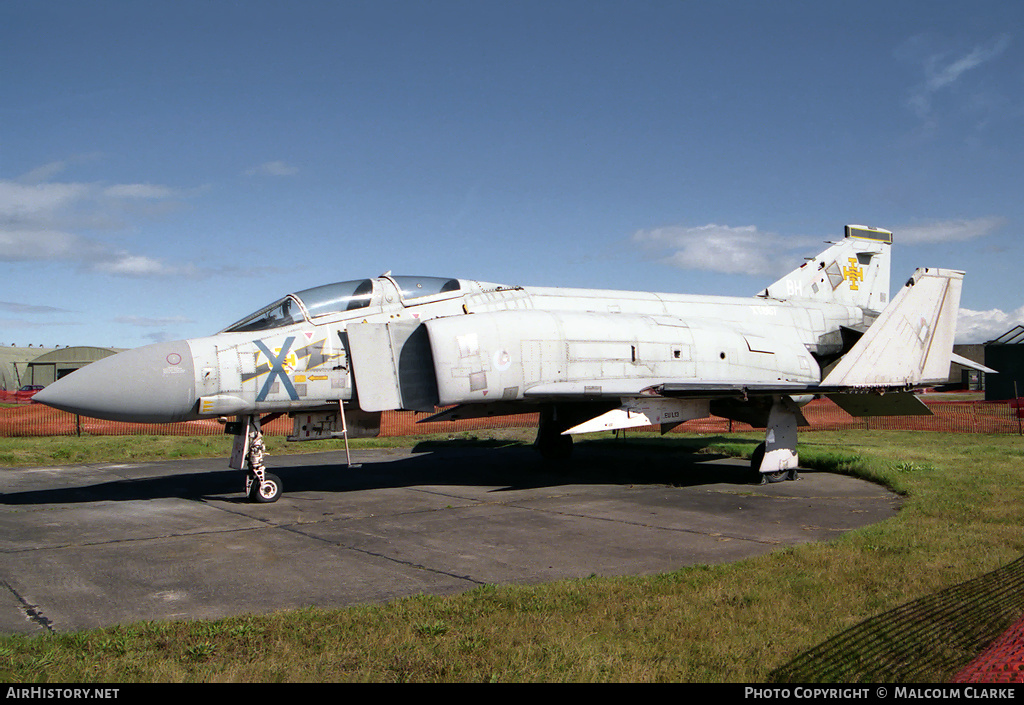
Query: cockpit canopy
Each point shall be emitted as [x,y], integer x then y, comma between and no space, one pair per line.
[421,287]
[335,298]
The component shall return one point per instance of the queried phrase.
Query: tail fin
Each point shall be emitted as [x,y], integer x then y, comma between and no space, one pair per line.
[911,343]
[853,272]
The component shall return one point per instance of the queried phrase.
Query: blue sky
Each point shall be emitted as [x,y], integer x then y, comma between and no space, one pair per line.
[167,167]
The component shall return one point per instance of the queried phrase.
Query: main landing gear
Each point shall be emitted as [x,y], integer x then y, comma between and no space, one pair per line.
[776,459]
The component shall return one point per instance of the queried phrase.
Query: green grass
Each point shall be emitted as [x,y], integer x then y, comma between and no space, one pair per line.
[963,516]
[42,451]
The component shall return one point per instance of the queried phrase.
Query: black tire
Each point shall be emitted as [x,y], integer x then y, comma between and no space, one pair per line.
[269,491]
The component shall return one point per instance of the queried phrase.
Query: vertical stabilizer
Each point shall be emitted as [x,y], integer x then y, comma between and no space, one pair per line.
[852,272]
[912,341]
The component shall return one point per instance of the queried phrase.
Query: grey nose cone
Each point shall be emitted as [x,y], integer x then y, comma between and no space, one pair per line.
[152,384]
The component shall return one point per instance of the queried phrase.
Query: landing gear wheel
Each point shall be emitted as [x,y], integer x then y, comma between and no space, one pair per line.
[267,491]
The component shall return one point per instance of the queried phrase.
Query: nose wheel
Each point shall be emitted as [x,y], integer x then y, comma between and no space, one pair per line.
[262,490]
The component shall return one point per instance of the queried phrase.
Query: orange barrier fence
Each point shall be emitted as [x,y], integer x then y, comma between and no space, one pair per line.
[948,416]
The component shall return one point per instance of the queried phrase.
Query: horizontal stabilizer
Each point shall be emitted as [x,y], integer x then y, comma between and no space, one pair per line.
[911,343]
[971,364]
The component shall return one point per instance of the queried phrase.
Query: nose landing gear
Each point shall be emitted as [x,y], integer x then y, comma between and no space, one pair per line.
[247,453]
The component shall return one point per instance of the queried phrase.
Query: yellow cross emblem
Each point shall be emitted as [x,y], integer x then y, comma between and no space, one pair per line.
[853,274]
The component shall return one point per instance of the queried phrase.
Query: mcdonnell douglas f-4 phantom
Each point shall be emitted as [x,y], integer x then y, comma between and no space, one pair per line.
[335,356]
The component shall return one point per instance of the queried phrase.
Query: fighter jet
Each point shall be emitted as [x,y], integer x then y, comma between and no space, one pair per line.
[334,357]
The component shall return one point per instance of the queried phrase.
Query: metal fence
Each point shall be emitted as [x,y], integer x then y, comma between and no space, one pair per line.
[948,416]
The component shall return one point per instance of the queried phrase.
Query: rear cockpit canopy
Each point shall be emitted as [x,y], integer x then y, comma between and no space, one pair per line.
[337,298]
[421,287]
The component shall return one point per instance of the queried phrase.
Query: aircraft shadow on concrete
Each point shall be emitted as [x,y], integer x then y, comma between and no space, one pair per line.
[433,463]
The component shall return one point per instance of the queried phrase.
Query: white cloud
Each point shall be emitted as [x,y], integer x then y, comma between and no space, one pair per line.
[981,326]
[276,168]
[721,248]
[131,265]
[39,221]
[46,172]
[940,76]
[17,307]
[139,191]
[17,324]
[947,230]
[43,173]
[942,71]
[21,245]
[19,202]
